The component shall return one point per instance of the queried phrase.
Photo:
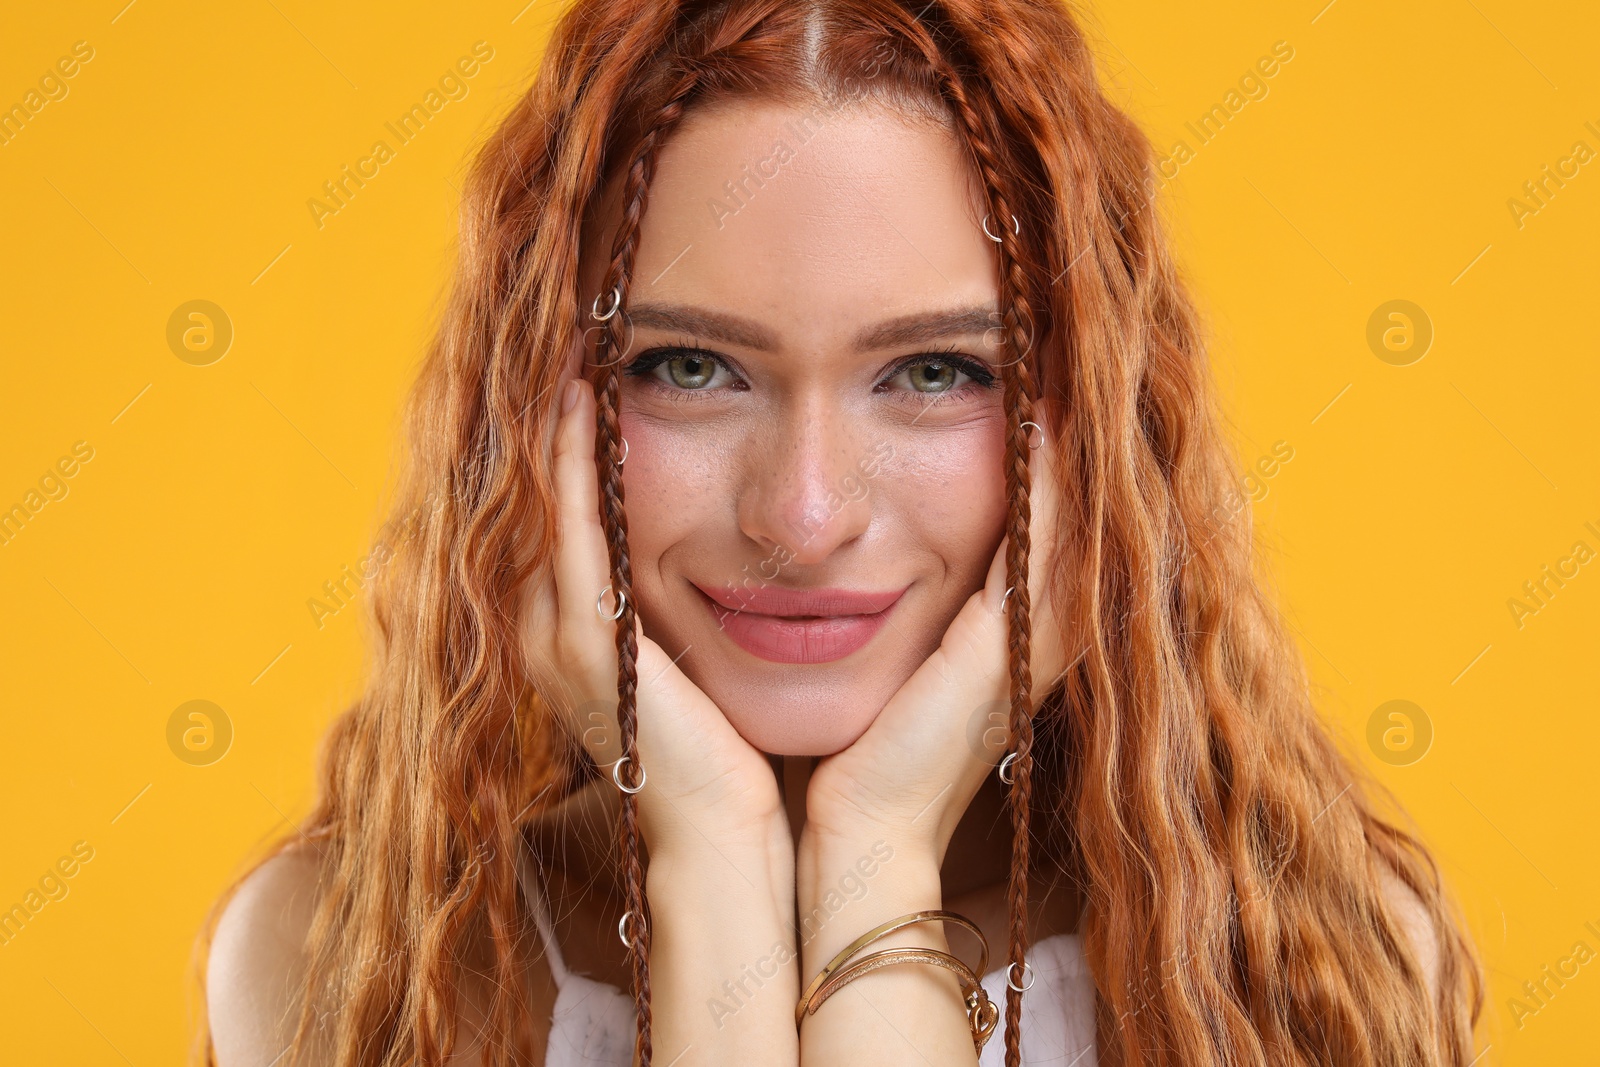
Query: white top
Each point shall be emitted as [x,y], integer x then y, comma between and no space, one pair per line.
[593,1023]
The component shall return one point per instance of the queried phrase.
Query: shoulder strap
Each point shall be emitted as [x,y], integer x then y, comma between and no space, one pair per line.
[531,889]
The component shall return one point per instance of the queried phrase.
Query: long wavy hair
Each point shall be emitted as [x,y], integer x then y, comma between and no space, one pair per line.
[1232,860]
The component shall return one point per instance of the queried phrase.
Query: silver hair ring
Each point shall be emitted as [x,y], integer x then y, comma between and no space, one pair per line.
[621,924]
[622,349]
[1009,590]
[1005,765]
[622,598]
[1027,977]
[1036,426]
[1015,228]
[616,302]
[624,458]
[616,776]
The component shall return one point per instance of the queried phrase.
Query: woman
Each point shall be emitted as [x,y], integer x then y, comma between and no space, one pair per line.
[930,594]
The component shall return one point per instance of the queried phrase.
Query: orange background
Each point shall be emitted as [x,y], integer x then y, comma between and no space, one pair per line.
[1379,164]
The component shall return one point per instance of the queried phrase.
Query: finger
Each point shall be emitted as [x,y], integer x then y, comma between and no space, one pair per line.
[976,639]
[582,573]
[994,584]
[1043,502]
[539,597]
[538,622]
[1048,656]
[994,737]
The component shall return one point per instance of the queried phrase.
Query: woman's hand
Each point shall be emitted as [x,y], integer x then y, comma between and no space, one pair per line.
[720,883]
[911,775]
[886,806]
[702,777]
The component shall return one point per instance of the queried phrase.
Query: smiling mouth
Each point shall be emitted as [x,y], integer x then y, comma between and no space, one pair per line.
[800,639]
[777,602]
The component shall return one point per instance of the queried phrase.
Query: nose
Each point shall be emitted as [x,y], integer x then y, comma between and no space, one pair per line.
[805,489]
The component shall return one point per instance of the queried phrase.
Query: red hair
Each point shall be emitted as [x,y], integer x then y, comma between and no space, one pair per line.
[1232,863]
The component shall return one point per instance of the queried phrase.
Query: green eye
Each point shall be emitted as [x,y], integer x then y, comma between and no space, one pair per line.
[688,370]
[939,376]
[932,377]
[691,371]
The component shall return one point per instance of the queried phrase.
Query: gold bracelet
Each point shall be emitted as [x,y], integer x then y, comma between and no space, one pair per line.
[982,1014]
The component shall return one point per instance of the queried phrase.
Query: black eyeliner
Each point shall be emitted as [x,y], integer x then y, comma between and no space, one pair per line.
[973,369]
[651,358]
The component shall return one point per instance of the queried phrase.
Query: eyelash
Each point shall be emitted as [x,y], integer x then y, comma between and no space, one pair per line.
[981,376]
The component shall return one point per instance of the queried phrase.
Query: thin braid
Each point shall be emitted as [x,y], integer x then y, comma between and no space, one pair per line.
[1018,398]
[1019,395]
[616,528]
[614,520]
[692,69]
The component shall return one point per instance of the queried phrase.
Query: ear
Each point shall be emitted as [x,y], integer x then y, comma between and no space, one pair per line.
[577,351]
[540,739]
[1049,658]
[1411,915]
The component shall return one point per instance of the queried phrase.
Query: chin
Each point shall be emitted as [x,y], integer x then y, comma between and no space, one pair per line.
[814,732]
[806,682]
[786,711]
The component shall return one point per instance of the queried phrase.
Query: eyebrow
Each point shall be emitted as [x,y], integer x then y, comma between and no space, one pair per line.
[918,327]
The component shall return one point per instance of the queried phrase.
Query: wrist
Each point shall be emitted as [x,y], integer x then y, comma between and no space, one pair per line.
[754,863]
[675,835]
[836,823]
[835,844]
[846,887]
[724,966]
[722,904]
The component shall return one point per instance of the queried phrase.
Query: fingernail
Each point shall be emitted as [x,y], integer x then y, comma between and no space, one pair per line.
[569,396]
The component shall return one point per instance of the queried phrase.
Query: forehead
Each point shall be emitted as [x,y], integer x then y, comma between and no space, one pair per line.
[813,223]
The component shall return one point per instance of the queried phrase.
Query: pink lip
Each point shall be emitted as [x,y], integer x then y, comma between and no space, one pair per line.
[847,619]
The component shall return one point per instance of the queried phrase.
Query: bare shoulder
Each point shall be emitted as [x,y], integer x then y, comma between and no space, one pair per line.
[258,960]
[258,963]
[1409,911]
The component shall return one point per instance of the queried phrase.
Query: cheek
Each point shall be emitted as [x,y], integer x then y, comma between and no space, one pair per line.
[952,488]
[672,485]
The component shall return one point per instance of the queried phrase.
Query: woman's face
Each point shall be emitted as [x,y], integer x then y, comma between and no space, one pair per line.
[812,409]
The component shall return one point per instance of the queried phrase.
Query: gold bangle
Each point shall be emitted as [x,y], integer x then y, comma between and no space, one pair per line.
[881,931]
[982,1014]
